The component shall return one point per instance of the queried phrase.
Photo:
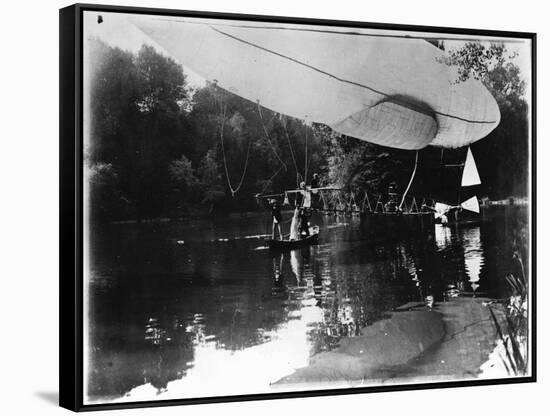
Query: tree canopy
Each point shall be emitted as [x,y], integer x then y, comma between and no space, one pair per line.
[156,147]
[504,155]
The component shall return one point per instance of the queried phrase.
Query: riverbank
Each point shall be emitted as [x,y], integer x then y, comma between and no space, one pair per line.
[450,342]
[195,215]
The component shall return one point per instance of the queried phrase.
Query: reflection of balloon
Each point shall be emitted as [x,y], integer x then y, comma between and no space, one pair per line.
[386,90]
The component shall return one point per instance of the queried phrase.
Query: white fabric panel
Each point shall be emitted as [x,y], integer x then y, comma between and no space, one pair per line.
[295,225]
[470,176]
[471,204]
[442,208]
[390,124]
[390,91]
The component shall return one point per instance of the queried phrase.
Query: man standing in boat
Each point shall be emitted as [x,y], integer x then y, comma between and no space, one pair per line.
[314,185]
[277,218]
[305,209]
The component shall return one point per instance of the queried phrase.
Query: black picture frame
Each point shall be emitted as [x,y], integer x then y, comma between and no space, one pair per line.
[71,205]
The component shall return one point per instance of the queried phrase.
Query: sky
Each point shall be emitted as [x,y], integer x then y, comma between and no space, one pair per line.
[117,30]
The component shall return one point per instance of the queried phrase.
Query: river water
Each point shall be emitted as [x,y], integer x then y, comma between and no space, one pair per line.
[203,308]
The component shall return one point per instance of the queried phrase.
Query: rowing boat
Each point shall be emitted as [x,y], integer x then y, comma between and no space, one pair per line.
[294,244]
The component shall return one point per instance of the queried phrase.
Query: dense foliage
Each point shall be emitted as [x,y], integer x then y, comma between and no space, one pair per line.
[158,148]
[501,158]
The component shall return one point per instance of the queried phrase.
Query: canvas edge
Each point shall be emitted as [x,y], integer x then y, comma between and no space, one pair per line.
[70,211]
[70,218]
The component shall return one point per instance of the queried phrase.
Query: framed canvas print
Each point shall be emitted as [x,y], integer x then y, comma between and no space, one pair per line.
[262,207]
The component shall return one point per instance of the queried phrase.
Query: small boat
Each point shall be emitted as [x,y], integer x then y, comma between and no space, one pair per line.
[312,239]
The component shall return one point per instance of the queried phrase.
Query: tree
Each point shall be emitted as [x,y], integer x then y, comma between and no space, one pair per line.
[184,183]
[162,86]
[106,200]
[270,146]
[356,165]
[138,121]
[164,140]
[113,91]
[182,172]
[211,181]
[474,59]
[503,156]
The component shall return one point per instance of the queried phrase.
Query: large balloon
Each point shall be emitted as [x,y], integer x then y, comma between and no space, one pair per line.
[392,91]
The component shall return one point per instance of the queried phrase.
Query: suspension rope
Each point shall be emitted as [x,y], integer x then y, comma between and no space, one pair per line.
[267,136]
[414,205]
[366,199]
[305,158]
[291,153]
[222,126]
[269,181]
[410,180]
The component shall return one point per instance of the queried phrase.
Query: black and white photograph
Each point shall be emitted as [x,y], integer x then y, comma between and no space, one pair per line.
[272,207]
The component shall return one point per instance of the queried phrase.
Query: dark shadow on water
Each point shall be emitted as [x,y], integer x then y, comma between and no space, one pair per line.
[51,397]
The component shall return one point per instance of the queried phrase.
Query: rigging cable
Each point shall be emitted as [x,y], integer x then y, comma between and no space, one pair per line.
[267,136]
[291,153]
[269,181]
[222,125]
[305,158]
[410,181]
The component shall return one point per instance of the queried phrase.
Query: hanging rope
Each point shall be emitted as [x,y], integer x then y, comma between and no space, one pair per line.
[291,153]
[325,206]
[267,137]
[414,204]
[410,180]
[222,127]
[269,181]
[340,205]
[353,203]
[305,158]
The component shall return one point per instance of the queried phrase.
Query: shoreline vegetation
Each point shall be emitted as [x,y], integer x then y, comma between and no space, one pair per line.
[158,147]
[199,213]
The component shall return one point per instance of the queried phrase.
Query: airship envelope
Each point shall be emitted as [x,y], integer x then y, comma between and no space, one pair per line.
[391,91]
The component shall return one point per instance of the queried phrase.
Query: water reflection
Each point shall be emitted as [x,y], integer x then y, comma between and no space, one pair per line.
[154,333]
[473,255]
[219,318]
[442,236]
